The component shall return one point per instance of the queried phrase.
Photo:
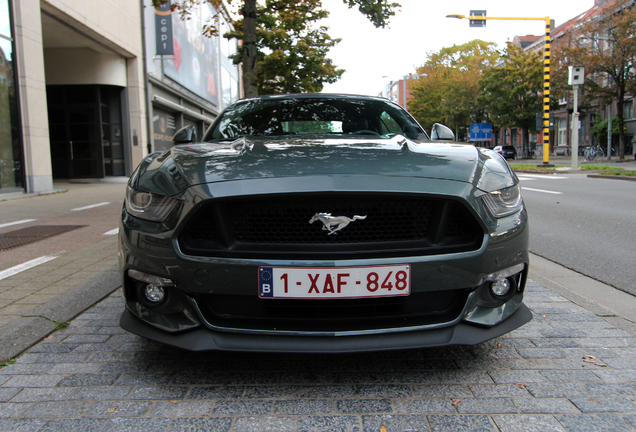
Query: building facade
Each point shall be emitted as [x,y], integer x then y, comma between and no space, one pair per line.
[399,91]
[84,93]
[191,77]
[590,111]
[81,89]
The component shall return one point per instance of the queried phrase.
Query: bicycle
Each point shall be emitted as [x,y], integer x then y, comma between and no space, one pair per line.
[592,153]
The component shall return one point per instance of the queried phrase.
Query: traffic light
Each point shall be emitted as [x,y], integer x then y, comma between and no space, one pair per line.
[477,22]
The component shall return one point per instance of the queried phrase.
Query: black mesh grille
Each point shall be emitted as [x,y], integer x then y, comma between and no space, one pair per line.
[288,222]
[378,224]
[332,315]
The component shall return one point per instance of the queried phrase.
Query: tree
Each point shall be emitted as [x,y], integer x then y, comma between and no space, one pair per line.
[606,47]
[293,55]
[512,92]
[599,130]
[377,11]
[448,92]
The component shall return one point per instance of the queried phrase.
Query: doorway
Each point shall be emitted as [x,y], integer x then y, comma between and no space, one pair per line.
[85,129]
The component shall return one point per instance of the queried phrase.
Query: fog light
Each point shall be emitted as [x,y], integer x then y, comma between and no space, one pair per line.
[500,287]
[154,293]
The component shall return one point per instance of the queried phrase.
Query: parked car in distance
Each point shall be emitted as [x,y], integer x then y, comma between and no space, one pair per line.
[509,152]
[322,224]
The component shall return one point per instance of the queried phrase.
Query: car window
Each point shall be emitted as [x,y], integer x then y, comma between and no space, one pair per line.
[322,116]
[388,124]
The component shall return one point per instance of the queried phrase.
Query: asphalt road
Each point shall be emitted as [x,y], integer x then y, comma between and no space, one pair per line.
[585,224]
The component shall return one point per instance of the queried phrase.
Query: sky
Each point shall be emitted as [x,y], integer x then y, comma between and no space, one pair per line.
[374,57]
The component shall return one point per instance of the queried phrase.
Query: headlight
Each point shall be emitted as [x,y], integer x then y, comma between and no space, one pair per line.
[504,202]
[148,206]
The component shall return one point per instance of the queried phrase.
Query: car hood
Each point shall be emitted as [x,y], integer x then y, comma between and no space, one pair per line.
[183,166]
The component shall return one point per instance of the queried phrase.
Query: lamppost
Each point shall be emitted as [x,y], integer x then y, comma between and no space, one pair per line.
[478,19]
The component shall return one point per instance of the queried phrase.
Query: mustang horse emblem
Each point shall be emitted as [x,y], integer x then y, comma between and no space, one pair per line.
[333,224]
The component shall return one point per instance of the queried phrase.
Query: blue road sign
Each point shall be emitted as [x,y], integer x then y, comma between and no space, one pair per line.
[481,132]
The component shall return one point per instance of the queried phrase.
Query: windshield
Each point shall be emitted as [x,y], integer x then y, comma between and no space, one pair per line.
[319,116]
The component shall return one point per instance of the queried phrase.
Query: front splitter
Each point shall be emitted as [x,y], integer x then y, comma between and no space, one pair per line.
[202,339]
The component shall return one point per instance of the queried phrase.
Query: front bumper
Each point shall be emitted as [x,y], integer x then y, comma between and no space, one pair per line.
[152,248]
[202,339]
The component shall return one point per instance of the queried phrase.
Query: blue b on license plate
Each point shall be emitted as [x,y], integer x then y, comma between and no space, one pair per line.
[334,282]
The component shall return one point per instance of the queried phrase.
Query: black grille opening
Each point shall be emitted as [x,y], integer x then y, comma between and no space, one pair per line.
[378,225]
[417,309]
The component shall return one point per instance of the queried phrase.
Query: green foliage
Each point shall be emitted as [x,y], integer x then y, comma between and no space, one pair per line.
[599,130]
[377,11]
[281,38]
[620,173]
[595,167]
[293,50]
[532,168]
[448,93]
[7,362]
[61,325]
[511,93]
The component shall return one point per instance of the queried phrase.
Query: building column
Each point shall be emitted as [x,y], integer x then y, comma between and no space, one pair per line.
[137,111]
[32,91]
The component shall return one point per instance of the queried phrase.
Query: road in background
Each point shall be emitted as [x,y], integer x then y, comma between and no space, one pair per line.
[585,224]
[96,207]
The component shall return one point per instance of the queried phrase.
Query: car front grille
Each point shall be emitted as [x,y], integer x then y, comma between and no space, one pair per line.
[341,315]
[278,227]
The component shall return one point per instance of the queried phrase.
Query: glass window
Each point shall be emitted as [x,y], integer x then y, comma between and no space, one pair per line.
[563,133]
[10,143]
[307,115]
[5,20]
[628,109]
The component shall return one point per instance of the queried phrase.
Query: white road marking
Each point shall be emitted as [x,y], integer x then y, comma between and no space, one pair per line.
[90,206]
[539,176]
[25,266]
[543,191]
[17,222]
[112,232]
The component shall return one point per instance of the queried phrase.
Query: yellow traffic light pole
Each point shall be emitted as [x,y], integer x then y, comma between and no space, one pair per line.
[546,72]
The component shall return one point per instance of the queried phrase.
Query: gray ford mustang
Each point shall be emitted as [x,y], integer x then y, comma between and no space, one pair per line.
[322,223]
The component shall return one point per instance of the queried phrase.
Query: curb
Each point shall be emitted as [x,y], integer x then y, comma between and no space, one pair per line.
[26,331]
[610,303]
[601,176]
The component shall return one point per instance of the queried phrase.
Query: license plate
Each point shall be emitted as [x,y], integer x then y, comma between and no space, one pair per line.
[334,282]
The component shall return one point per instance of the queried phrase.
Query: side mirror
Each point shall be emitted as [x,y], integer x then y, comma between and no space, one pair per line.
[442,133]
[187,134]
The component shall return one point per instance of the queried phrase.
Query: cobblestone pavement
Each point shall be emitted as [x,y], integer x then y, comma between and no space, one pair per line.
[567,370]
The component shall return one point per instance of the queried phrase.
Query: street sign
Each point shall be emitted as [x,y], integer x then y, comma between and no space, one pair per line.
[479,22]
[481,132]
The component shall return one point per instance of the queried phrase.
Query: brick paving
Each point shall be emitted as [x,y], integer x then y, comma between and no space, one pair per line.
[25,292]
[567,370]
